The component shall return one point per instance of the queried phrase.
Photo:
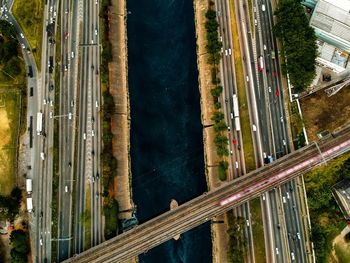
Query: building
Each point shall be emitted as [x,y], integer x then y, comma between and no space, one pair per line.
[331,21]
[341,193]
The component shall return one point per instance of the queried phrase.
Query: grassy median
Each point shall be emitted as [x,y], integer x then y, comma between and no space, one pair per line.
[29,14]
[242,96]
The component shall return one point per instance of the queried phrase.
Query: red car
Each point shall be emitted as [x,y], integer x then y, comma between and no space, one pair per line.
[274,73]
[234,141]
[277,92]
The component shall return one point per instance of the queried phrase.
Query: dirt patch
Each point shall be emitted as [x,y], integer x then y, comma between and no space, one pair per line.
[5,133]
[322,113]
[120,120]
[340,251]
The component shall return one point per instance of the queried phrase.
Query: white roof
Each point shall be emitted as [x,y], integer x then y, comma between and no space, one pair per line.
[332,17]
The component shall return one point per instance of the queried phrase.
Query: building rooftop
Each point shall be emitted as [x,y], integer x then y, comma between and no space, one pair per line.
[331,21]
[341,192]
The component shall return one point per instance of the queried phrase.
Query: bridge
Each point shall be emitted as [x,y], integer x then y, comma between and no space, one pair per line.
[201,209]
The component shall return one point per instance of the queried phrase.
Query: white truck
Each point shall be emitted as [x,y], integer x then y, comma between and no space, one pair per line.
[29,186]
[30,204]
[39,123]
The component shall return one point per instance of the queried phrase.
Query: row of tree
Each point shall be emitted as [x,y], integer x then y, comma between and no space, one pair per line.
[19,246]
[299,43]
[109,163]
[9,205]
[237,241]
[327,220]
[214,48]
[9,61]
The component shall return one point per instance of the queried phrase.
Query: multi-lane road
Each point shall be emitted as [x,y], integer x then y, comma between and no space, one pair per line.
[217,201]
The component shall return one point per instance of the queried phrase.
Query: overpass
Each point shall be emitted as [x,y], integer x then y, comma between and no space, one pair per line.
[200,209]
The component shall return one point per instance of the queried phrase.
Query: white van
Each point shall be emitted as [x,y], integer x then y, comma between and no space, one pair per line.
[66,188]
[42,156]
[263,7]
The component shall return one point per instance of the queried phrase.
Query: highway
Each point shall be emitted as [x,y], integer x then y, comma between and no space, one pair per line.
[67,121]
[217,201]
[89,142]
[231,111]
[283,210]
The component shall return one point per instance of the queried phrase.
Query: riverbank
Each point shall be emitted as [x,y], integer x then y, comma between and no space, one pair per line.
[120,121]
[219,231]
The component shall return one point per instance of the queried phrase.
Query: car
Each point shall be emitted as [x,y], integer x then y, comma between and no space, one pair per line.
[236,164]
[277,92]
[41,241]
[277,252]
[92,119]
[96,2]
[51,103]
[263,7]
[292,256]
[96,104]
[51,114]
[228,128]
[70,116]
[231,116]
[72,54]
[274,73]
[66,188]
[21,34]
[51,9]
[247,78]
[255,22]
[281,119]
[23,46]
[234,141]
[84,136]
[264,47]
[226,53]
[70,164]
[92,41]
[96,71]
[247,221]
[284,142]
[92,133]
[93,152]
[284,199]
[93,178]
[231,152]
[229,51]
[66,34]
[298,235]
[97,175]
[72,103]
[287,194]
[95,31]
[264,155]
[97,195]
[263,197]
[44,101]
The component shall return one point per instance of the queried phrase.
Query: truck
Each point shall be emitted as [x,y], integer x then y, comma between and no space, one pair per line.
[39,123]
[30,71]
[237,124]
[30,204]
[29,186]
[235,105]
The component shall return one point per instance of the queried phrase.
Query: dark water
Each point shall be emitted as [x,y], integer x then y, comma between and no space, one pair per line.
[166,133]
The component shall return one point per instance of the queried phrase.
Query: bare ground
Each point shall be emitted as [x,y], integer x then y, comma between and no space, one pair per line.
[219,236]
[121,119]
[322,113]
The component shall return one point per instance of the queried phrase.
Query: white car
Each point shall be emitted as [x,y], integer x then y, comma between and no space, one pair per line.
[51,114]
[23,46]
[292,256]
[247,222]
[287,195]
[229,51]
[264,47]
[298,235]
[284,199]
[84,136]
[236,164]
[277,252]
[284,142]
[95,31]
[21,34]
[96,104]
[44,101]
[70,115]
[41,241]
[270,89]
[92,133]
[66,188]
[72,55]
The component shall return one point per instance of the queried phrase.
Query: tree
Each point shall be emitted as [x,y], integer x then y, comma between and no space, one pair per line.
[217,116]
[223,165]
[299,43]
[12,67]
[19,241]
[220,126]
[216,92]
[17,257]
